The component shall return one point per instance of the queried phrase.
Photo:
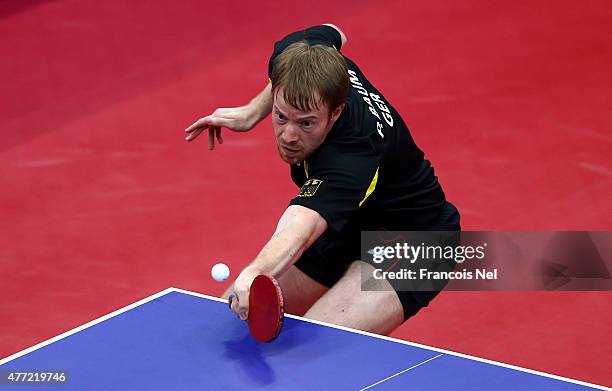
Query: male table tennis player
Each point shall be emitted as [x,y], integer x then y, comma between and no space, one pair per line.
[358,169]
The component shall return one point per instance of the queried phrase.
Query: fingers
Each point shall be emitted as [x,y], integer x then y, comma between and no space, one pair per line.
[239,305]
[202,122]
[214,131]
[199,126]
[212,124]
[218,133]
[196,128]
[233,303]
[231,299]
[194,134]
[243,306]
[211,138]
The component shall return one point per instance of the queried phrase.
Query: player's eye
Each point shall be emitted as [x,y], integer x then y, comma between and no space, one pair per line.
[280,116]
[307,124]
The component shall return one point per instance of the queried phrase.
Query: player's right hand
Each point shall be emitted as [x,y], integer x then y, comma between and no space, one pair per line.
[238,119]
[242,286]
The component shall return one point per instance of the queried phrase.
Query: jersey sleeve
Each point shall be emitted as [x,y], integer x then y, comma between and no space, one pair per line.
[323,35]
[339,181]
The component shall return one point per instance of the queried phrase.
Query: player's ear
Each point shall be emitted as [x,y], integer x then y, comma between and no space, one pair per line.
[337,112]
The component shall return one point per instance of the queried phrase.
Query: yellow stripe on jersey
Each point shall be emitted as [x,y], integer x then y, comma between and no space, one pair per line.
[306,168]
[371,187]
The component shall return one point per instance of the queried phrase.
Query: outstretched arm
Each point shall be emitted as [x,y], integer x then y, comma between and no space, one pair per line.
[238,119]
[297,229]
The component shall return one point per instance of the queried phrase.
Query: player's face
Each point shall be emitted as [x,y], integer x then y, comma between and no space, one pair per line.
[299,133]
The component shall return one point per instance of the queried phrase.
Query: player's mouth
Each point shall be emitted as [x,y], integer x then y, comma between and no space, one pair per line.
[290,151]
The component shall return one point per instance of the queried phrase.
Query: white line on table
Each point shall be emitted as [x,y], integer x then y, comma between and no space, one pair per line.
[399,373]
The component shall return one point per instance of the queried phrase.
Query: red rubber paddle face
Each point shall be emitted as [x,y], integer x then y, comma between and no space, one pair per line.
[266,309]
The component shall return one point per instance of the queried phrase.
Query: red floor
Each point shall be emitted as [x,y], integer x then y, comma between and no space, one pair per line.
[103,203]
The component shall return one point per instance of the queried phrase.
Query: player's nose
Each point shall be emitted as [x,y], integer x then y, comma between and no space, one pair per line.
[290,134]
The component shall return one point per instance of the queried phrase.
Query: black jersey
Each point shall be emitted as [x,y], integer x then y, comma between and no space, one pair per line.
[368,164]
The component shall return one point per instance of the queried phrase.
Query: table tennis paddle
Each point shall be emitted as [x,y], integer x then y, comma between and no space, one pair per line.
[266,308]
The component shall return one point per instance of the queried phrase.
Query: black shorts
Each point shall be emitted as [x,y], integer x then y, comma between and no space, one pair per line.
[328,258]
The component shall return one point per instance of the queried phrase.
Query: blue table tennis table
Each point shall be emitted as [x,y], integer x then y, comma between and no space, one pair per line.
[181,340]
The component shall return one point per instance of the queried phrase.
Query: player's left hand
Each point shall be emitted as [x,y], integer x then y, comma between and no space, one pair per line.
[239,299]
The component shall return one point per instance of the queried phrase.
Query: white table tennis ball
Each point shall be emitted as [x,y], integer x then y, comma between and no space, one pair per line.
[220,272]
